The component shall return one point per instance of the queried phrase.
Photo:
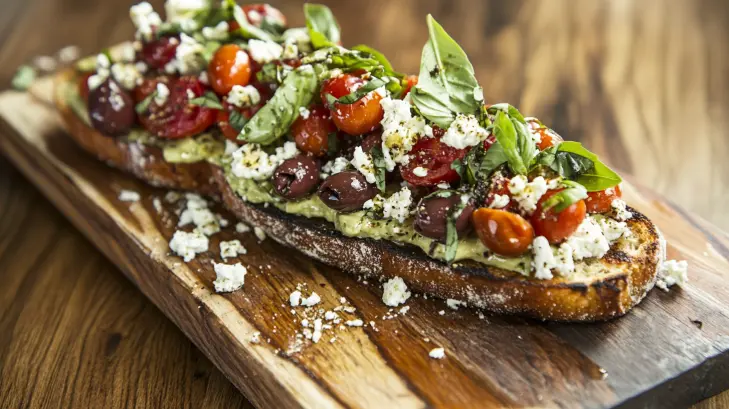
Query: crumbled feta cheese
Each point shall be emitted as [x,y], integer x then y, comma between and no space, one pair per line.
[69,54]
[311,301]
[230,147]
[229,277]
[400,131]
[395,207]
[241,227]
[45,63]
[333,167]
[464,132]
[543,260]
[260,234]
[188,57]
[157,205]
[613,229]
[304,113]
[184,13]
[330,315]
[203,77]
[526,193]
[317,331]
[454,304]
[363,163]
[95,80]
[187,245]
[129,196]
[299,37]
[588,240]
[672,272]
[197,213]
[355,323]
[295,298]
[126,74]
[564,261]
[264,51]
[500,201]
[621,212]
[255,338]
[437,353]
[420,171]
[217,33]
[124,52]
[395,292]
[232,248]
[290,51]
[145,19]
[252,162]
[162,94]
[405,309]
[244,96]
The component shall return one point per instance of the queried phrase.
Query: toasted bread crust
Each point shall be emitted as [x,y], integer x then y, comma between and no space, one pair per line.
[146,162]
[626,281]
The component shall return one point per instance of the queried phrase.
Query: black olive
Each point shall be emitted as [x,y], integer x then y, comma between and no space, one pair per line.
[296,177]
[432,215]
[111,109]
[346,191]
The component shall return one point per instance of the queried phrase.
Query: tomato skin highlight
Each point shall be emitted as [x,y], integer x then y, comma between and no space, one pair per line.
[436,158]
[312,133]
[358,118]
[503,232]
[158,53]
[556,227]
[176,118]
[601,202]
[229,66]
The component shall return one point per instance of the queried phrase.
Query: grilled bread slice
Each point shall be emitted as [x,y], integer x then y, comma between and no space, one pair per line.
[610,288]
[146,162]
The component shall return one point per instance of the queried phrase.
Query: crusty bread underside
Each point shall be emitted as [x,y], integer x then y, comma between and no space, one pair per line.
[146,162]
[621,284]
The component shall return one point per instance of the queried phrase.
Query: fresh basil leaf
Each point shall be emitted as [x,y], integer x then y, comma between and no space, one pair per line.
[246,30]
[376,55]
[209,49]
[273,73]
[599,177]
[275,118]
[332,144]
[452,233]
[506,135]
[378,160]
[360,92]
[492,159]
[24,77]
[207,100]
[447,81]
[348,60]
[143,105]
[567,164]
[236,120]
[460,168]
[323,27]
[525,144]
[330,101]
[507,109]
[565,198]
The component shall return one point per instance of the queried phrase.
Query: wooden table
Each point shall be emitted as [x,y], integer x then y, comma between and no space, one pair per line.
[642,83]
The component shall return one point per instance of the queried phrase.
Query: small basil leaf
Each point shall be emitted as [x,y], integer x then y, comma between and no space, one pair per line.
[275,118]
[236,120]
[492,159]
[246,30]
[143,105]
[565,198]
[378,160]
[207,100]
[330,101]
[209,50]
[525,144]
[349,60]
[360,92]
[506,135]
[452,232]
[332,144]
[447,81]
[323,27]
[507,109]
[460,168]
[376,55]
[596,178]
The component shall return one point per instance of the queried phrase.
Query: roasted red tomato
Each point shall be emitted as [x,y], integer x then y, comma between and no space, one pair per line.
[503,232]
[176,118]
[600,202]
[312,132]
[430,163]
[358,118]
[556,227]
[229,66]
[258,13]
[412,80]
[156,54]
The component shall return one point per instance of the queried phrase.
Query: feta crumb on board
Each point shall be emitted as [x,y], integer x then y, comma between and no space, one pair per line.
[672,272]
[454,304]
[295,298]
[229,277]
[395,292]
[232,248]
[255,338]
[241,227]
[129,196]
[188,245]
[196,212]
[355,323]
[311,301]
[437,353]
[260,234]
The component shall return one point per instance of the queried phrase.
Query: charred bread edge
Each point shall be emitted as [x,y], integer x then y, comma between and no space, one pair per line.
[145,162]
[485,287]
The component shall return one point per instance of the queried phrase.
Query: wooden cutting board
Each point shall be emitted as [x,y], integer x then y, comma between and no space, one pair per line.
[671,351]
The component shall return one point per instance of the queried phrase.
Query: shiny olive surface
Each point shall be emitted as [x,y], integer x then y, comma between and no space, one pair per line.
[296,177]
[432,213]
[111,109]
[346,191]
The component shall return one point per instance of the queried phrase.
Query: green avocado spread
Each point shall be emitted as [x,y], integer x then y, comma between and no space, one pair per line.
[360,224]
[205,146]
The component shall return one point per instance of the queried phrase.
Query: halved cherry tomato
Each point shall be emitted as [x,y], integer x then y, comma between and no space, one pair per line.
[83,86]
[360,117]
[229,66]
[176,118]
[499,185]
[412,80]
[503,232]
[312,133]
[257,13]
[600,202]
[436,158]
[556,227]
[547,137]
[158,53]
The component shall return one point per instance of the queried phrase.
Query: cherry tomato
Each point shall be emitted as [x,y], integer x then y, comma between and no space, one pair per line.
[156,54]
[176,118]
[499,185]
[312,133]
[148,86]
[436,158]
[503,232]
[230,66]
[600,202]
[556,227]
[358,118]
[548,138]
[412,80]
[83,86]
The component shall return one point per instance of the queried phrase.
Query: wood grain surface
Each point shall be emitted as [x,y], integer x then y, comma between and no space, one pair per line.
[642,83]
